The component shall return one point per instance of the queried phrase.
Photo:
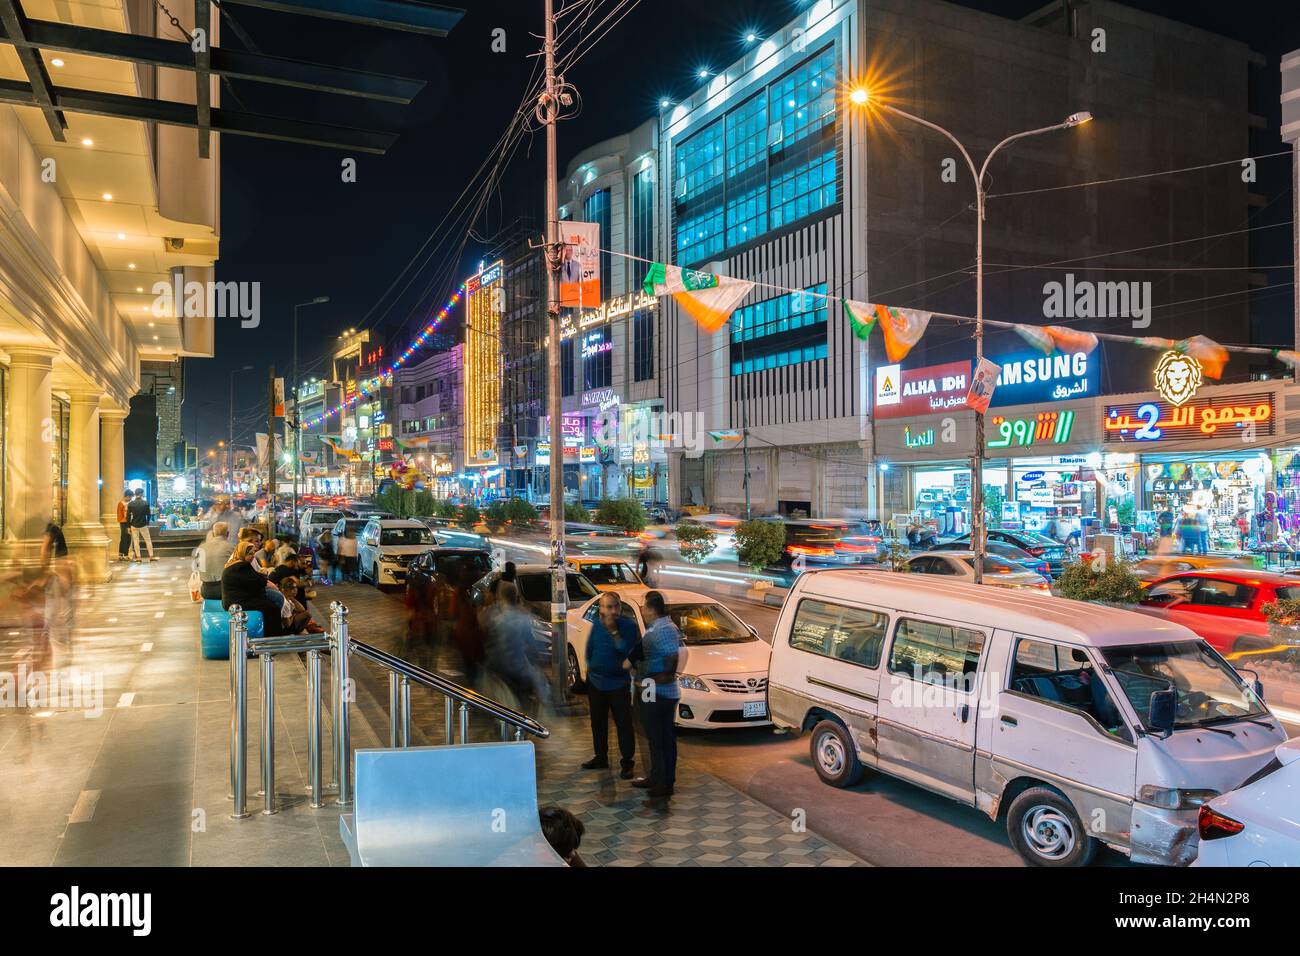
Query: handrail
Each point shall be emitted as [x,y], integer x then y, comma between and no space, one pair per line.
[448,688]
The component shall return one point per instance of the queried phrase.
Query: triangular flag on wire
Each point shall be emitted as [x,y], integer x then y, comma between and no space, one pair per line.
[861,317]
[902,329]
[1288,357]
[726,436]
[707,298]
[1150,342]
[1038,337]
[1212,356]
[1071,340]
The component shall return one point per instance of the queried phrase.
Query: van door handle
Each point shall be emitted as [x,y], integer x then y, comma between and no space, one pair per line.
[1010,721]
[964,712]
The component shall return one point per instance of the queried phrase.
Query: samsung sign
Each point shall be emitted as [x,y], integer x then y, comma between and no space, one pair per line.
[1030,377]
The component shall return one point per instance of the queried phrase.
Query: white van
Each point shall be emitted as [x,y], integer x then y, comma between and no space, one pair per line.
[1081,724]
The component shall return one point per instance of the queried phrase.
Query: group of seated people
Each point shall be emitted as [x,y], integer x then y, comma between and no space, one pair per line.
[257,575]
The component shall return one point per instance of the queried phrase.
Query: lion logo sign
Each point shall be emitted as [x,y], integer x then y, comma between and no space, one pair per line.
[1178,376]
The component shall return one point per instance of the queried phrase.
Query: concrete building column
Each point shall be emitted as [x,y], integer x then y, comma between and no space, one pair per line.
[83,528]
[29,476]
[112,471]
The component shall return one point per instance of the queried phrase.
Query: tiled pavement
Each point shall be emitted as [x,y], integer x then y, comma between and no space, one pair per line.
[145,781]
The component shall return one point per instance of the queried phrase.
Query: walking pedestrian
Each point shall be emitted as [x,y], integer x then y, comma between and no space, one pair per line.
[138,517]
[124,527]
[325,554]
[661,656]
[1202,529]
[612,638]
[345,549]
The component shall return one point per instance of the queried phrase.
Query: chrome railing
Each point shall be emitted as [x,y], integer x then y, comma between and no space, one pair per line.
[459,702]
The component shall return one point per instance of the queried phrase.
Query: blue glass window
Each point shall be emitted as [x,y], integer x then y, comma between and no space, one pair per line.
[803,190]
[785,313]
[596,209]
[808,353]
[803,101]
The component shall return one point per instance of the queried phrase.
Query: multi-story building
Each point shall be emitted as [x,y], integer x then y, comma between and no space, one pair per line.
[776,175]
[611,364]
[523,370]
[92,220]
[430,408]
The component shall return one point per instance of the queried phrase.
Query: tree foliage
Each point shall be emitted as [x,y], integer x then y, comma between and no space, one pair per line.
[625,513]
[696,542]
[759,543]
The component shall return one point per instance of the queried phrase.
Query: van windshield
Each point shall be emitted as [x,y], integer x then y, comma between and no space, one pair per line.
[1209,691]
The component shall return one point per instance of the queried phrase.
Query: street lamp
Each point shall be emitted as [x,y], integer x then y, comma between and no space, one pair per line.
[860,96]
[297,412]
[230,444]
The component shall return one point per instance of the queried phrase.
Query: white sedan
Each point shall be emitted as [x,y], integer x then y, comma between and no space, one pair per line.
[960,565]
[724,682]
[1257,824]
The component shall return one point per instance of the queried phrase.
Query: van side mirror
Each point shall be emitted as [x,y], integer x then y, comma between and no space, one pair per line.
[1257,686]
[1164,707]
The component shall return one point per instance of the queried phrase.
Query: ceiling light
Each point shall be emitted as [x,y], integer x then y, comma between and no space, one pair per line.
[139,288]
[130,265]
[151,325]
[87,142]
[121,235]
[56,62]
[107,197]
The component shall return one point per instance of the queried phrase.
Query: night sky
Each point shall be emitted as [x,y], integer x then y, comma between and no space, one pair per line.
[288,221]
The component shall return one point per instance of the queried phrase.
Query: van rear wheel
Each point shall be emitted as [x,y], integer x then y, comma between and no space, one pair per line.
[1046,831]
[833,754]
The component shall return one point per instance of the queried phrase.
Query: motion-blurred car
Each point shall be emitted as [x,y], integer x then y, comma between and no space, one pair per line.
[1256,824]
[725,678]
[723,528]
[608,574]
[1224,606]
[316,519]
[448,533]
[1038,545]
[1000,549]
[1156,566]
[534,583]
[431,580]
[960,566]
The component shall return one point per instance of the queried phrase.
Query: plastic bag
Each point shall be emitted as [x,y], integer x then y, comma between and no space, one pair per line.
[196,587]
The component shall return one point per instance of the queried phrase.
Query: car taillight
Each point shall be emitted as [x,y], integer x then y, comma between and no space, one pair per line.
[1037,552]
[1215,826]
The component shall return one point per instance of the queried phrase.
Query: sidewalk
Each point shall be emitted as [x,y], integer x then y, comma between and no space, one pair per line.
[136,772]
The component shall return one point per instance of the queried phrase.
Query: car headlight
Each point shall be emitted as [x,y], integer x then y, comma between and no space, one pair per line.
[1174,799]
[691,683]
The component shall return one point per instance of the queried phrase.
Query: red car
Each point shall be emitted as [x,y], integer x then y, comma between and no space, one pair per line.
[1223,605]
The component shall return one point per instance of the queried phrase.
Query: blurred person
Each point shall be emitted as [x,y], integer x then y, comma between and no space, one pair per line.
[563,831]
[124,527]
[507,648]
[609,684]
[325,554]
[658,658]
[210,560]
[1202,529]
[59,582]
[465,633]
[265,558]
[345,549]
[1189,532]
[509,572]
[138,516]
[1243,530]
[1165,522]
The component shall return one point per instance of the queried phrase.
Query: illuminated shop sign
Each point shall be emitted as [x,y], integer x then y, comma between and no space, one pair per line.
[1025,378]
[920,439]
[595,343]
[588,456]
[603,397]
[1033,377]
[1220,417]
[1178,377]
[1049,428]
[615,308]
[572,427]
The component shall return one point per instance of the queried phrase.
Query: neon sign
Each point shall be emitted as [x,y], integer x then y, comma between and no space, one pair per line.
[1178,376]
[923,440]
[1196,418]
[1051,427]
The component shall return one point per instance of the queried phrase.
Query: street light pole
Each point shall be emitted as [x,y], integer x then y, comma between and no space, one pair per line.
[977,459]
[297,414]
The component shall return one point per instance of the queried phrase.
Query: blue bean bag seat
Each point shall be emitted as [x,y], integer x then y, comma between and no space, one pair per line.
[214,631]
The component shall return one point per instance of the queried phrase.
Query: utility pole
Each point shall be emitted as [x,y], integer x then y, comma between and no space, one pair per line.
[270,454]
[548,106]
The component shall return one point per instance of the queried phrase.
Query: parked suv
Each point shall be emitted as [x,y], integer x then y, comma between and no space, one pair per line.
[314,520]
[386,547]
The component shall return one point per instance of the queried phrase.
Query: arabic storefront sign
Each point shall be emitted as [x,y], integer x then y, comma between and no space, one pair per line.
[917,439]
[902,393]
[1219,417]
[1049,428]
[1029,377]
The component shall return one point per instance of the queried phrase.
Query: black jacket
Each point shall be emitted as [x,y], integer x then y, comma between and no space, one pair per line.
[137,513]
[242,585]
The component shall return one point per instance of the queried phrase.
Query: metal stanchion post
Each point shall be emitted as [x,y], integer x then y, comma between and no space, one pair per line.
[239,712]
[464,723]
[450,719]
[505,730]
[343,732]
[406,711]
[519,733]
[334,698]
[314,727]
[268,733]
[394,710]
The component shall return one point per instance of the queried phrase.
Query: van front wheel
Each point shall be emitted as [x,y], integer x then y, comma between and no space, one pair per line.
[1046,831]
[833,754]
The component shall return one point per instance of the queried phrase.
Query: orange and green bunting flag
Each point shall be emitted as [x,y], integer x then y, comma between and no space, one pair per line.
[707,298]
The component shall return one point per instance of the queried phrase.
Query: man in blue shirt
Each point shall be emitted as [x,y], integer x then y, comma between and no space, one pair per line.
[662,655]
[609,684]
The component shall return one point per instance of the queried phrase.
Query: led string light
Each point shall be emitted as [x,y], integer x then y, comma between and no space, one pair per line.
[365,388]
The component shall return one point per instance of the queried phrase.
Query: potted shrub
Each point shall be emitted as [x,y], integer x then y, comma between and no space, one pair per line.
[760,544]
[1093,578]
[696,542]
[1283,616]
[625,513]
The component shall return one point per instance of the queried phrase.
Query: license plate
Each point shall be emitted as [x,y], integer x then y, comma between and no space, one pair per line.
[757,708]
